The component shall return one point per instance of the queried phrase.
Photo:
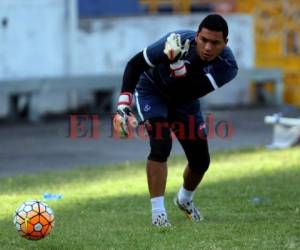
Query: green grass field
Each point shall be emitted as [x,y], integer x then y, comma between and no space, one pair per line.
[109,208]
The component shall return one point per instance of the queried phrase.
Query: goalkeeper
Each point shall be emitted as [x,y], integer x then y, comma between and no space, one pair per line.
[167,79]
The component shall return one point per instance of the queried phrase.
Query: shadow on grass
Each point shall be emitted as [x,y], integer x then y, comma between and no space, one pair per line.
[232,220]
[42,180]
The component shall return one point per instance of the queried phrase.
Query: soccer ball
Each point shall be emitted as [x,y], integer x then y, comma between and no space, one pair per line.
[34,220]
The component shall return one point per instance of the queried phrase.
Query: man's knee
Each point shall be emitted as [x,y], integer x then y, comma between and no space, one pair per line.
[197,154]
[160,139]
[199,164]
[160,150]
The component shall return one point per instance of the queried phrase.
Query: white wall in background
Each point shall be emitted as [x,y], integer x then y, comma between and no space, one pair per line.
[32,43]
[35,37]
[42,38]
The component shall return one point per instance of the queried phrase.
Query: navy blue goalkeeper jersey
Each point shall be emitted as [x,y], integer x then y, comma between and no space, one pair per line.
[202,76]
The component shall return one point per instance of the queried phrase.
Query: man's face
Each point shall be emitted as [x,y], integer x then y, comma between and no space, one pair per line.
[209,44]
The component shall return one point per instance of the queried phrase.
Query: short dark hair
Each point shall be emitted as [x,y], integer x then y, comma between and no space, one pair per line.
[215,22]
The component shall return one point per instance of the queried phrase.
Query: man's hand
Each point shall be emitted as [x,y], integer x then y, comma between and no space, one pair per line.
[124,120]
[174,49]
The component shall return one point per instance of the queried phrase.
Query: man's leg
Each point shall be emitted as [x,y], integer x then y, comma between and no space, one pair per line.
[197,154]
[198,162]
[157,178]
[153,110]
[191,179]
[192,137]
[160,144]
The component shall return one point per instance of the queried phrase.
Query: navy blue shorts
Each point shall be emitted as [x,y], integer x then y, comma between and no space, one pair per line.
[151,105]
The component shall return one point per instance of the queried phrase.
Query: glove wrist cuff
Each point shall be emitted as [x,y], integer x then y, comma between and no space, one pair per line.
[178,69]
[125,99]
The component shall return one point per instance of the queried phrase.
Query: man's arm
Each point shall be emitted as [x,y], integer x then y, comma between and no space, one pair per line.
[124,118]
[194,85]
[171,49]
[134,68]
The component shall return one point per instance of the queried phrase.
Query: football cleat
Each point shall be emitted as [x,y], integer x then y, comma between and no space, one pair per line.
[189,209]
[161,220]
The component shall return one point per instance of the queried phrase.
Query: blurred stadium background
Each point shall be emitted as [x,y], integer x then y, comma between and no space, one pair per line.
[75,51]
[65,56]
